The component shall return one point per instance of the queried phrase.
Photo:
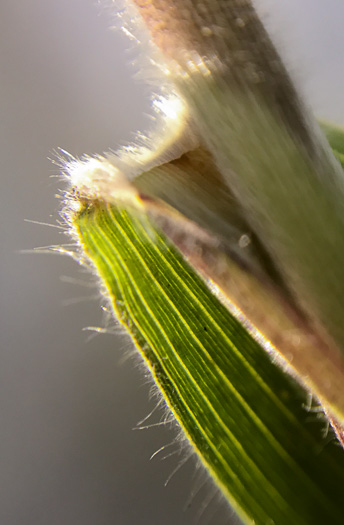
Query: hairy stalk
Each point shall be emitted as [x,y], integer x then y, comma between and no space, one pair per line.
[268,149]
[246,188]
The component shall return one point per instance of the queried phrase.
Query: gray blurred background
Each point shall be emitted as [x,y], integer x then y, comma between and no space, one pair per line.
[68,405]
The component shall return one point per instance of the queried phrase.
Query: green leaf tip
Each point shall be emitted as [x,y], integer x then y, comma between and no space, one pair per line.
[243,415]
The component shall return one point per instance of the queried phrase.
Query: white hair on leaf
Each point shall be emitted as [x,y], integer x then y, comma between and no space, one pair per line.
[107,176]
[97,178]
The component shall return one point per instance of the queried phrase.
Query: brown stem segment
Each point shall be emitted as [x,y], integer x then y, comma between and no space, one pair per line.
[267,148]
[229,36]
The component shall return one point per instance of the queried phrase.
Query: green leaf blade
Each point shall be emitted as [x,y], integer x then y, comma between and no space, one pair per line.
[242,414]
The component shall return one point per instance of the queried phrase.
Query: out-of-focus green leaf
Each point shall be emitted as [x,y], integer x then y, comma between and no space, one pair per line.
[244,416]
[335,136]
